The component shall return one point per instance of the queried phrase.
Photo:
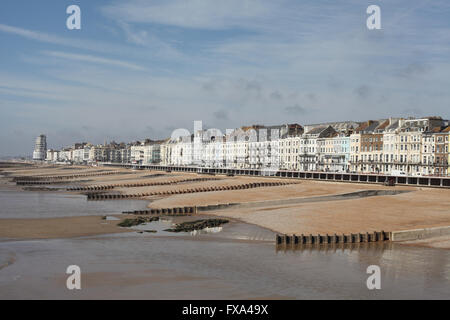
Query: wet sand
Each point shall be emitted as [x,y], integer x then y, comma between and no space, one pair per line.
[145,266]
[419,208]
[54,228]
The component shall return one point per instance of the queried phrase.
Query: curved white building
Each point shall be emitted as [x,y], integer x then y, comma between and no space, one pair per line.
[40,148]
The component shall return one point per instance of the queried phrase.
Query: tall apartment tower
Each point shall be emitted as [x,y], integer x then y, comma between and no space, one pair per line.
[40,148]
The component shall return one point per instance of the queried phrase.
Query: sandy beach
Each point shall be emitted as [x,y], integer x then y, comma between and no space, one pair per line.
[416,208]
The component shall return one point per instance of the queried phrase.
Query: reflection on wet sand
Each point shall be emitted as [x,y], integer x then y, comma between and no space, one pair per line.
[219,266]
[333,247]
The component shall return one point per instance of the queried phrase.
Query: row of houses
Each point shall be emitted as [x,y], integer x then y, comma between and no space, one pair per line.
[389,146]
[402,146]
[146,152]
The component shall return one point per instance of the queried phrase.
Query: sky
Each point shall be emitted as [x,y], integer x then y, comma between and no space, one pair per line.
[140,69]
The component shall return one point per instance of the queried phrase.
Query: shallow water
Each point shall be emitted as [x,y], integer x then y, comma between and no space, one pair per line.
[145,266]
[238,262]
[44,204]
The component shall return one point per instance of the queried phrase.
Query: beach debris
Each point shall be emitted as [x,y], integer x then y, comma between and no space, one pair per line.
[137,221]
[197,225]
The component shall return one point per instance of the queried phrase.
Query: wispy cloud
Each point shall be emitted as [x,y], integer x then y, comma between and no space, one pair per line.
[192,13]
[148,40]
[93,59]
[85,44]
[34,35]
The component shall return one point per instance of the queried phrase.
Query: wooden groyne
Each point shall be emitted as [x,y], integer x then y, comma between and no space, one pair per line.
[334,247]
[176,211]
[24,183]
[332,239]
[95,196]
[8,164]
[183,210]
[141,184]
[65,177]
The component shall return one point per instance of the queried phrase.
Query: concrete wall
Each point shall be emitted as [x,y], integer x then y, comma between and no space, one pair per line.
[418,234]
[266,203]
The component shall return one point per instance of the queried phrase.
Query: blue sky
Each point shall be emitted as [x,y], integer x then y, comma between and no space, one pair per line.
[140,69]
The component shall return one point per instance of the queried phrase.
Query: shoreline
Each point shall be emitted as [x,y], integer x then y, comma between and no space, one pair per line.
[56,228]
[25,229]
[420,208]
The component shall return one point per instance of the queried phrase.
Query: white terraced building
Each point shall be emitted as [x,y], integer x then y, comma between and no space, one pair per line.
[411,146]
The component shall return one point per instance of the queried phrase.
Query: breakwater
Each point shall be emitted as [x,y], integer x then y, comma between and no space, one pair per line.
[176,211]
[34,179]
[294,240]
[140,184]
[25,183]
[96,196]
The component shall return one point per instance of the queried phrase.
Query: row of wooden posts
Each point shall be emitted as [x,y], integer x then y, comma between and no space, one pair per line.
[141,184]
[65,177]
[177,211]
[22,183]
[96,196]
[334,238]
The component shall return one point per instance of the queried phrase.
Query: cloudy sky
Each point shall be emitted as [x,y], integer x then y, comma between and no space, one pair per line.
[140,69]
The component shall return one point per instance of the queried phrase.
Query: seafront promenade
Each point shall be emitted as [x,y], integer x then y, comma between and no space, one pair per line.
[422,181]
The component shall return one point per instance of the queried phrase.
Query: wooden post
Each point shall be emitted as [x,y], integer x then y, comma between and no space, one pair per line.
[278,239]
